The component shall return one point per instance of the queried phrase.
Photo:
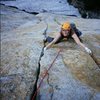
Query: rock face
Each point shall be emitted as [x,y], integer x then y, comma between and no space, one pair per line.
[50,6]
[89,9]
[73,76]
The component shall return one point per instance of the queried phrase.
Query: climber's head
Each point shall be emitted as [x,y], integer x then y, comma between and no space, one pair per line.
[65,28]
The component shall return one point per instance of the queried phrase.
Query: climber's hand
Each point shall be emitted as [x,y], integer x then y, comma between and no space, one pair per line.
[88,50]
[45,48]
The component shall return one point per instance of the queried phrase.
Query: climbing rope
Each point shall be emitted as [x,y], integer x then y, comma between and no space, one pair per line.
[46,73]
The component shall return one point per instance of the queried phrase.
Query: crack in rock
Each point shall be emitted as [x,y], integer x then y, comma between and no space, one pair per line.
[34,92]
[34,13]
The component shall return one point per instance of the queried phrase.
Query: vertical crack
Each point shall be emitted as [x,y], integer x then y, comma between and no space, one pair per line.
[34,92]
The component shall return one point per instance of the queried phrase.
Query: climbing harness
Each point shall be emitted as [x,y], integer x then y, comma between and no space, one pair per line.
[46,73]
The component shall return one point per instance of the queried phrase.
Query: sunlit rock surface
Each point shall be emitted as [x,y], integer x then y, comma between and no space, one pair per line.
[73,76]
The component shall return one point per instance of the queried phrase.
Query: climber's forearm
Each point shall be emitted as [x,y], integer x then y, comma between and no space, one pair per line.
[54,41]
[81,44]
[50,44]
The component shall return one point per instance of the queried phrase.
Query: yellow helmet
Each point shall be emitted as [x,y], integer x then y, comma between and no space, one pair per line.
[66,26]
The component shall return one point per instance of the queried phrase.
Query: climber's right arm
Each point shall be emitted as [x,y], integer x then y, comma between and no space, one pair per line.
[53,42]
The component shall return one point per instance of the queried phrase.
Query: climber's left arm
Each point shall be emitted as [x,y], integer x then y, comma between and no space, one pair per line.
[75,37]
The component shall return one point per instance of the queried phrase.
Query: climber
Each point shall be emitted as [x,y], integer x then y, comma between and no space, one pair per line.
[68,30]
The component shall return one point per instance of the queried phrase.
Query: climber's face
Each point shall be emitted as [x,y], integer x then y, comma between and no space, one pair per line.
[65,32]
